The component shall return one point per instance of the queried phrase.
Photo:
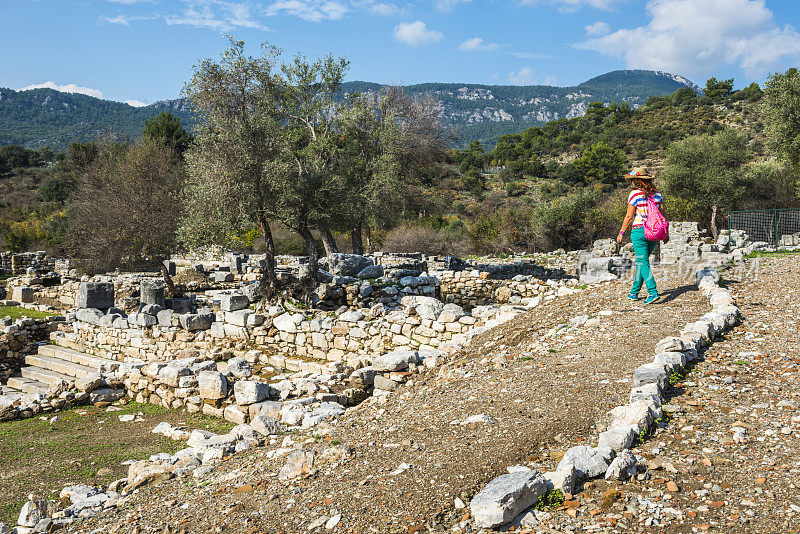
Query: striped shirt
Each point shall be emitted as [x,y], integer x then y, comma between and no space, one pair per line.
[638,199]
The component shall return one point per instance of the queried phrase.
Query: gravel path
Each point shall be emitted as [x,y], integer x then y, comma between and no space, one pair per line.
[728,460]
[540,382]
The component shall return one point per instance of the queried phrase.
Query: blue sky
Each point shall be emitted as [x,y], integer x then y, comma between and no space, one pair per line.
[143,50]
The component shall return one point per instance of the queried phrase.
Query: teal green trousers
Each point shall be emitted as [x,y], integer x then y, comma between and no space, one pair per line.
[643,248]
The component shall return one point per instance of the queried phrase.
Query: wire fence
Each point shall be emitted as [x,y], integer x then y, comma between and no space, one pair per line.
[779,228]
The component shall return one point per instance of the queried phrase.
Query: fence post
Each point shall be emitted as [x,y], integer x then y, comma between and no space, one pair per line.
[775,220]
[730,233]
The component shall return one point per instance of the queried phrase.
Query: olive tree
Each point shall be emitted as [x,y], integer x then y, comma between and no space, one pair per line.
[234,161]
[782,114]
[707,172]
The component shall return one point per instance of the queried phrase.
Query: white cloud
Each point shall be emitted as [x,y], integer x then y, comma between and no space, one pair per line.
[598,28]
[528,76]
[477,44]
[380,8]
[124,20]
[216,15]
[68,88]
[571,6]
[416,33]
[524,76]
[312,10]
[135,103]
[697,37]
[448,5]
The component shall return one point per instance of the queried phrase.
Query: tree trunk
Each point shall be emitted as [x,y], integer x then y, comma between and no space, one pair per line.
[355,240]
[368,238]
[268,281]
[327,240]
[171,290]
[313,254]
[714,229]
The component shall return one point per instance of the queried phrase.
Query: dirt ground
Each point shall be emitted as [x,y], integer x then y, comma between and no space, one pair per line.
[83,445]
[732,450]
[542,383]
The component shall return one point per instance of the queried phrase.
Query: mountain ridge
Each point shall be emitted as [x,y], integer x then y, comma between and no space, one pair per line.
[46,117]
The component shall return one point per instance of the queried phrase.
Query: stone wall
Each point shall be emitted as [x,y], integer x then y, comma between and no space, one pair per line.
[479,288]
[18,339]
[11,263]
[284,339]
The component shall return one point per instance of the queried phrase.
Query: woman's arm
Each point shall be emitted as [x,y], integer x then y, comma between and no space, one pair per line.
[631,213]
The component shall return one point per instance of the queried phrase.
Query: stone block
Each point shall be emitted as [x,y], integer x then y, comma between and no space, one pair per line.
[254,320]
[151,291]
[707,275]
[266,425]
[233,301]
[217,330]
[106,395]
[672,344]
[212,385]
[238,317]
[384,383]
[238,367]
[371,271]
[179,305]
[235,414]
[618,438]
[675,362]
[286,322]
[623,467]
[640,414]
[395,361]
[651,373]
[649,393]
[250,392]
[563,481]
[98,295]
[165,318]
[505,497]
[589,462]
[252,291]
[702,327]
[347,264]
[266,408]
[196,321]
[366,375]
[24,295]
[221,276]
[171,374]
[89,315]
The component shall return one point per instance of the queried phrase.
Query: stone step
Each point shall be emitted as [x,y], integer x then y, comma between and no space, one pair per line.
[27,385]
[74,356]
[9,393]
[58,365]
[45,376]
[64,339]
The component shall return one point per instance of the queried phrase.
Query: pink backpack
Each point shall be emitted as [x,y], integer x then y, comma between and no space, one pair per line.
[656,226]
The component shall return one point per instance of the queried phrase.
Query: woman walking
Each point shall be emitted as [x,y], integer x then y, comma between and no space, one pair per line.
[642,183]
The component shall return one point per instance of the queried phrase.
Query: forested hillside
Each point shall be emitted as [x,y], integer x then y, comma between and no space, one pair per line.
[560,184]
[44,117]
[48,118]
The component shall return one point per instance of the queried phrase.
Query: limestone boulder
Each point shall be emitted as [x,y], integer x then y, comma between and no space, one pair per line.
[505,497]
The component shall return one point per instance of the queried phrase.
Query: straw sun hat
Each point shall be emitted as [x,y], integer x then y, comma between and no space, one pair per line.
[640,173]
